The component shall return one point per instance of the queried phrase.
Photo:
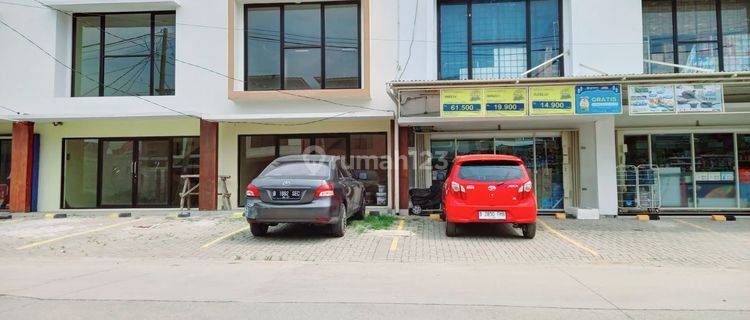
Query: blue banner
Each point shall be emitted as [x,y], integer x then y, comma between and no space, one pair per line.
[505,107]
[462,107]
[599,99]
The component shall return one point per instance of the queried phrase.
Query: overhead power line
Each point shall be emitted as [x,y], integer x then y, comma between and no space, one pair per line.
[87,77]
[195,66]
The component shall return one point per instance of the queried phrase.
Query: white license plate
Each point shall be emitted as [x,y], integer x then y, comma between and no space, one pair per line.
[491,215]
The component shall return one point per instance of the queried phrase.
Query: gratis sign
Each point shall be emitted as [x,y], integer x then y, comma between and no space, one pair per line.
[599,99]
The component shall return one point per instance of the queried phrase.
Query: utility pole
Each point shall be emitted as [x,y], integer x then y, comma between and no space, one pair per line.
[163,61]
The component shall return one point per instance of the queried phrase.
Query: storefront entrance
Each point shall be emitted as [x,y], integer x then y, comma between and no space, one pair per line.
[698,170]
[543,155]
[365,153]
[126,172]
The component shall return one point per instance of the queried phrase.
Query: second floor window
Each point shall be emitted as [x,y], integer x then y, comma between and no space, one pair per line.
[124,54]
[302,46]
[496,39]
[706,34]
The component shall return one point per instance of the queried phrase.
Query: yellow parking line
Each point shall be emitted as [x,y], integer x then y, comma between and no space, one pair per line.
[394,242]
[222,238]
[568,239]
[694,225]
[71,235]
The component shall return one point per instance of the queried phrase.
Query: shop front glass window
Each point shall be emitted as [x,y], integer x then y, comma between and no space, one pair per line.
[549,173]
[334,146]
[256,152]
[715,170]
[743,149]
[185,160]
[671,153]
[369,165]
[466,147]
[80,173]
[443,153]
[636,150]
[519,147]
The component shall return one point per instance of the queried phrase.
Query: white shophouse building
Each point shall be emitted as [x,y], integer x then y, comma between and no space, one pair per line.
[109,103]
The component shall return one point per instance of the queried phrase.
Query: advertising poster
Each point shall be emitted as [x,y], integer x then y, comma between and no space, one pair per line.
[599,99]
[506,102]
[651,99]
[557,100]
[699,98]
[461,103]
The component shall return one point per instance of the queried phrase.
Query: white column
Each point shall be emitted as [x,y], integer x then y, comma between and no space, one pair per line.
[606,166]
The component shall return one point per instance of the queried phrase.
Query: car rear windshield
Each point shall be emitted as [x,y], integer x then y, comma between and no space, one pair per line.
[301,169]
[491,171]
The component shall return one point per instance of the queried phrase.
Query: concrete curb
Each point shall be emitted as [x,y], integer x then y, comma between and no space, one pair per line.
[114,214]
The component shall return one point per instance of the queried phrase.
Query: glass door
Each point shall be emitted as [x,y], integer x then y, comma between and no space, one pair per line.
[134,173]
[152,173]
[117,173]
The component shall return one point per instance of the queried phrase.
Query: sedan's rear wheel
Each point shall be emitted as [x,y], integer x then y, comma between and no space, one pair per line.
[339,228]
[529,230]
[451,229]
[258,229]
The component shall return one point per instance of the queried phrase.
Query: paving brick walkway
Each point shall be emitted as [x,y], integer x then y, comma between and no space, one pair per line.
[682,241]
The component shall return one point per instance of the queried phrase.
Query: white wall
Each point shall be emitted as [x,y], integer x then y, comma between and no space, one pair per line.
[33,83]
[606,35]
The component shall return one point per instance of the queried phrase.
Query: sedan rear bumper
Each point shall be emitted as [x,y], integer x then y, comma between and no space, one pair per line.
[321,211]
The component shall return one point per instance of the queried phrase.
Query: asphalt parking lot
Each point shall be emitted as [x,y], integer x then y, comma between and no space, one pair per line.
[683,241]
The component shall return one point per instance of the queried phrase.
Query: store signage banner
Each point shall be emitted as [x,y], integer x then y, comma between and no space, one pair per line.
[461,103]
[556,100]
[506,102]
[601,99]
[699,98]
[651,99]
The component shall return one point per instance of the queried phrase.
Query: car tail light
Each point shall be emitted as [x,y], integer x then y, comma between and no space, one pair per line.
[457,187]
[525,188]
[252,191]
[325,190]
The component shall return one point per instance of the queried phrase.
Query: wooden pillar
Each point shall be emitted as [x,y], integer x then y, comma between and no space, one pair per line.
[22,163]
[209,166]
[403,169]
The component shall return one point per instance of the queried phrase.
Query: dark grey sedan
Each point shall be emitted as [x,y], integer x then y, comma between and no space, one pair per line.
[313,189]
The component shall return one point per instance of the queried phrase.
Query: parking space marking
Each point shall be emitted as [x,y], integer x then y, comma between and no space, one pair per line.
[694,225]
[224,237]
[394,242]
[568,239]
[76,234]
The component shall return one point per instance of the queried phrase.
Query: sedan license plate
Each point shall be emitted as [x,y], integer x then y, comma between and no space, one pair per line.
[491,215]
[286,194]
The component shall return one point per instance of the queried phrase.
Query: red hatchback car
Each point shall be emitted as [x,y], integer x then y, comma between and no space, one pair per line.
[489,189]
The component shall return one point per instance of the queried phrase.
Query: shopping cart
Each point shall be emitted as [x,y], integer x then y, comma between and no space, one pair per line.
[638,189]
